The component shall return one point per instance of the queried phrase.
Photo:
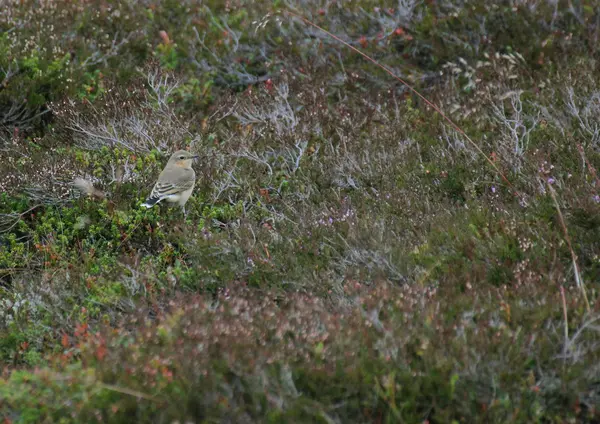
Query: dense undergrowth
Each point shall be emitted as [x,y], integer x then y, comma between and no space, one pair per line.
[347,255]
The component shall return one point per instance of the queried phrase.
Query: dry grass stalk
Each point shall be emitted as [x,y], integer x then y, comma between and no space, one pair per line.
[578,279]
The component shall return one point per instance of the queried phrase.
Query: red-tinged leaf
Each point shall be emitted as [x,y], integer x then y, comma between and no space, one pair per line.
[100,352]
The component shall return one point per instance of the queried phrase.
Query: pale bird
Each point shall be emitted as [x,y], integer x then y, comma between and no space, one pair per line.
[87,187]
[176,182]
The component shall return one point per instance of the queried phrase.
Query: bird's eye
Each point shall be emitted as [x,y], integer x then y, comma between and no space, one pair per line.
[181,157]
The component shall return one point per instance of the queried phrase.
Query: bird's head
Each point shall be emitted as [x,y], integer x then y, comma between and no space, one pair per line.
[182,159]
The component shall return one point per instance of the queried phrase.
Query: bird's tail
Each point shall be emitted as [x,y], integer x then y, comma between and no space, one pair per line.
[151,202]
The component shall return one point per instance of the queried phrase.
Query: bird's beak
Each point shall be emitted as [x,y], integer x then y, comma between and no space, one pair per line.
[195,157]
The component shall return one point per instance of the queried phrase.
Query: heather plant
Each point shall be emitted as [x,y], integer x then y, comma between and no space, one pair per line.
[244,356]
[347,256]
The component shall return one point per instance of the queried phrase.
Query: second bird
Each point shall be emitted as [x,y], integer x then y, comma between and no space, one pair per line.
[176,182]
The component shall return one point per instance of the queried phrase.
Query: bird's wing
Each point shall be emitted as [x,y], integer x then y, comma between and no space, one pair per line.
[173,181]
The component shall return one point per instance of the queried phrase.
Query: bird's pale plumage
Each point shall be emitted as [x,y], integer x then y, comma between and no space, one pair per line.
[176,182]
